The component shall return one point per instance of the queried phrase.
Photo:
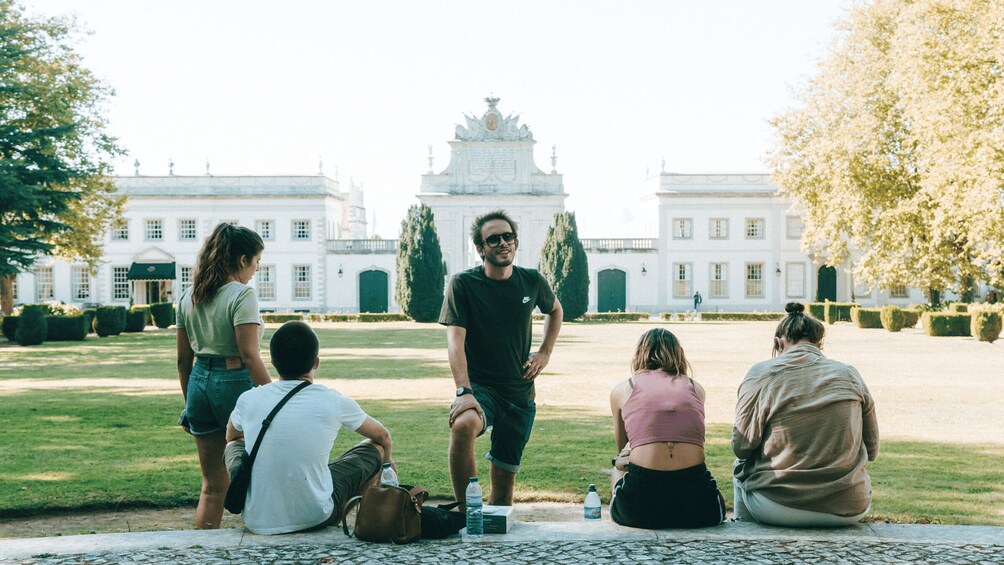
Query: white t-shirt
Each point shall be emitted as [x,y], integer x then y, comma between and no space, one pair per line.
[290,482]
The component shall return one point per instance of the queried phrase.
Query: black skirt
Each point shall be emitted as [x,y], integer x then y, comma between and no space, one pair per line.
[685,498]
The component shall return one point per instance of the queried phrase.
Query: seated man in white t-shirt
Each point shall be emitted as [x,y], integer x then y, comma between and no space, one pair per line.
[293,487]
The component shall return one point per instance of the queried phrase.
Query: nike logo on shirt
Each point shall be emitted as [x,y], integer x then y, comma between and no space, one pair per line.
[526,299]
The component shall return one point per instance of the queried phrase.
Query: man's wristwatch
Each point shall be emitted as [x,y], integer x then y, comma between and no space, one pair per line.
[462,390]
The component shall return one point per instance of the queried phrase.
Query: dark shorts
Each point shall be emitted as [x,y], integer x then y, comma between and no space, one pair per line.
[212,394]
[511,424]
[686,498]
[349,472]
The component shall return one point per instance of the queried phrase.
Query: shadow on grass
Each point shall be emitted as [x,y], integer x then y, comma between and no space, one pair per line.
[80,450]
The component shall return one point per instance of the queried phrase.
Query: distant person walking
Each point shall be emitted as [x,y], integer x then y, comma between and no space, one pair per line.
[219,329]
[805,429]
[488,334]
[697,300]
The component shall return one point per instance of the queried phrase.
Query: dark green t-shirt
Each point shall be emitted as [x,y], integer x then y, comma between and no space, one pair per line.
[496,315]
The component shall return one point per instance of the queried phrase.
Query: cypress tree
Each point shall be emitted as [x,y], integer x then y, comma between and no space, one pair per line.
[420,267]
[563,263]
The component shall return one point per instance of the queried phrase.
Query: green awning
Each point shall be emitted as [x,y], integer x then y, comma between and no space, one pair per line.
[151,272]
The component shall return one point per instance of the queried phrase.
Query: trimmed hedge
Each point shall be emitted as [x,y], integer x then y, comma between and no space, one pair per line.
[9,327]
[383,317]
[867,317]
[910,317]
[817,309]
[741,316]
[145,308]
[66,328]
[89,314]
[163,314]
[340,317]
[109,320]
[615,316]
[945,324]
[958,308]
[985,325]
[32,328]
[893,318]
[273,318]
[838,311]
[136,319]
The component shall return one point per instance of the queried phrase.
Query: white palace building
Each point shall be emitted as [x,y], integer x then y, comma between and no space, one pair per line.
[729,236]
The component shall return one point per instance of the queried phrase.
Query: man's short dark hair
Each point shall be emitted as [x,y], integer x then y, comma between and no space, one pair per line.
[293,348]
[480,222]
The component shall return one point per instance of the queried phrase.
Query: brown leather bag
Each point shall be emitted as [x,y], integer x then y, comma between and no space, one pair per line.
[387,514]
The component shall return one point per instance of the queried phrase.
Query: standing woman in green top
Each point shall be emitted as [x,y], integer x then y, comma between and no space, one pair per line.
[219,329]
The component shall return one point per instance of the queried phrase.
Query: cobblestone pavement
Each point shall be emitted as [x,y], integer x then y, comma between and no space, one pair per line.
[635,551]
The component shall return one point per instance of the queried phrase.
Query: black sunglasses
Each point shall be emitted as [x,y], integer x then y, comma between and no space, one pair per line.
[495,239]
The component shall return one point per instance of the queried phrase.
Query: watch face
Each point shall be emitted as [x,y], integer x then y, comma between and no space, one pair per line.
[460,390]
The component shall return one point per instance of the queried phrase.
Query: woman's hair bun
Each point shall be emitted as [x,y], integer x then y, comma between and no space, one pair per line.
[794,308]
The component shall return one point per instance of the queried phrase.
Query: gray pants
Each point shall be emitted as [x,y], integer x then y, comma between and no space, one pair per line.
[751,506]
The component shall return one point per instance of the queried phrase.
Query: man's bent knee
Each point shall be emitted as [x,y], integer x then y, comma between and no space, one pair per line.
[468,425]
[375,445]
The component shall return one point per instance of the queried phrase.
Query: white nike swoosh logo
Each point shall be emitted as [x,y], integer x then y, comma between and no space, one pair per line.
[526,299]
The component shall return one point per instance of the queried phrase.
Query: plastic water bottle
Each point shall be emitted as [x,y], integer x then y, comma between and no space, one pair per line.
[592,507]
[475,520]
[388,476]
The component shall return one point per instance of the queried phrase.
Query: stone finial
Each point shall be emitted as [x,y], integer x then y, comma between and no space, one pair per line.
[663,169]
[207,167]
[336,174]
[320,165]
[136,165]
[492,101]
[430,158]
[554,159]
[170,167]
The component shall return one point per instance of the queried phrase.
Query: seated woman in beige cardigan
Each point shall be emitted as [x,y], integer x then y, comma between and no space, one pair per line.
[805,429]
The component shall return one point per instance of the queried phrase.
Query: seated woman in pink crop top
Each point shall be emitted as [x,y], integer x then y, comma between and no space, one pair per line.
[660,479]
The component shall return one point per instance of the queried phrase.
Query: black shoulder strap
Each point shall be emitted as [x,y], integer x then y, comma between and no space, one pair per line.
[268,420]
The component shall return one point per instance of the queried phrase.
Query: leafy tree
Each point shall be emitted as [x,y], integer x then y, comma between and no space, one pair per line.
[563,263]
[56,196]
[420,268]
[895,149]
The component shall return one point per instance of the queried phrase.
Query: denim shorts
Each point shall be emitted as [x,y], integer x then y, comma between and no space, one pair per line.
[511,424]
[212,394]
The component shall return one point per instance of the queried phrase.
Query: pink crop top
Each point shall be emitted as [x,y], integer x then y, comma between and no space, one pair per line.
[663,408]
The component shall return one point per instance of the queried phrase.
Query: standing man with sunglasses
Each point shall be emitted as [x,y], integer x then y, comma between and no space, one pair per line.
[488,332]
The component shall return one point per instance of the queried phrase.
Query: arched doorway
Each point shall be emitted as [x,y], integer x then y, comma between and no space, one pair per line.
[611,290]
[373,291]
[826,289]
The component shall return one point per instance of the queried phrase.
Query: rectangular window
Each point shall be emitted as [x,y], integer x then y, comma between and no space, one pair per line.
[683,228]
[231,222]
[120,283]
[185,277]
[80,282]
[265,281]
[719,228]
[754,280]
[681,280]
[154,230]
[301,282]
[301,230]
[719,287]
[186,230]
[120,231]
[754,228]
[795,280]
[899,291]
[793,227]
[43,283]
[264,229]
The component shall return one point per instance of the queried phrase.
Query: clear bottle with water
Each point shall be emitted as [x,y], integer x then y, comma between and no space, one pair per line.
[593,505]
[475,520]
[388,476]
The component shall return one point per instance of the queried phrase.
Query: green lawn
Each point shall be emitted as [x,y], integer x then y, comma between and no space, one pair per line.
[79,447]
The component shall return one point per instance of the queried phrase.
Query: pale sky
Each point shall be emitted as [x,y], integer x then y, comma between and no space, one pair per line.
[268,88]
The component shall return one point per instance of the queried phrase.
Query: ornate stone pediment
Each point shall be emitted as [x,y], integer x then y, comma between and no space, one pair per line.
[493,127]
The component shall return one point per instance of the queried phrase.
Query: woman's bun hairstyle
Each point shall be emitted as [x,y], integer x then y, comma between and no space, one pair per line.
[794,308]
